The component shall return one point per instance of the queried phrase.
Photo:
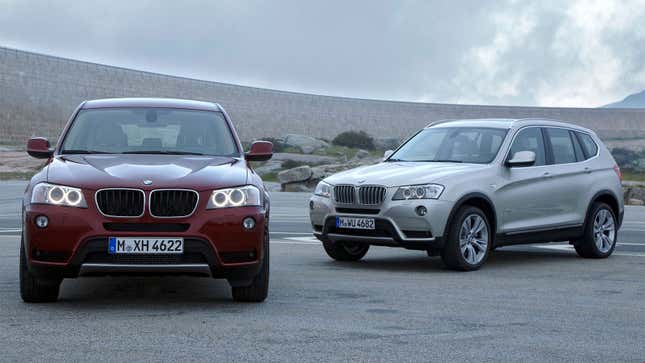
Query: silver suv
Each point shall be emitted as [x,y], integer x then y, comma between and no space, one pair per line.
[462,188]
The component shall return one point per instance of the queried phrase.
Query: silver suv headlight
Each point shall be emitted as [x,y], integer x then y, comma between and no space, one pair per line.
[45,193]
[323,190]
[423,191]
[245,196]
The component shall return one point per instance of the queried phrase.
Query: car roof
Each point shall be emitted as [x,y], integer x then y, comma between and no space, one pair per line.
[151,102]
[505,123]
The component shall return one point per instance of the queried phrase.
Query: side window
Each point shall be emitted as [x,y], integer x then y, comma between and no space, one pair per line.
[561,146]
[529,139]
[580,155]
[589,146]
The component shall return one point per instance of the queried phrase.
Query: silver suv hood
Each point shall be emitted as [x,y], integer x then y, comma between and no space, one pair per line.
[391,174]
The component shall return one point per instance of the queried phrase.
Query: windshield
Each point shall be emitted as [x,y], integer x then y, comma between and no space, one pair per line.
[150,131]
[452,144]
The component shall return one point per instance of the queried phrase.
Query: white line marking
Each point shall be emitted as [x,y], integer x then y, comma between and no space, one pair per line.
[294,243]
[298,233]
[569,248]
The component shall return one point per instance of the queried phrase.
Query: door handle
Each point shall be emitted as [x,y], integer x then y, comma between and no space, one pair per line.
[587,169]
[546,174]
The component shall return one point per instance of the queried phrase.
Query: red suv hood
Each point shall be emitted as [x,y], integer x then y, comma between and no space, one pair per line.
[164,171]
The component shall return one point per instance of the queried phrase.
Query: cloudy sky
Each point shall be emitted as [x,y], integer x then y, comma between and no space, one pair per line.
[548,53]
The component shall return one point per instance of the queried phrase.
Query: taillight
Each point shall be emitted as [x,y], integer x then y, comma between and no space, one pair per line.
[617,170]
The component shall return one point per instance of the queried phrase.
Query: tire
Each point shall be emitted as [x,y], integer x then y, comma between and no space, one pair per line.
[601,220]
[259,288]
[465,250]
[346,251]
[33,289]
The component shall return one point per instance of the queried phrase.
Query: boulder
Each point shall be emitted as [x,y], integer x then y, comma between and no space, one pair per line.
[305,143]
[299,174]
[634,201]
[268,167]
[304,158]
[362,154]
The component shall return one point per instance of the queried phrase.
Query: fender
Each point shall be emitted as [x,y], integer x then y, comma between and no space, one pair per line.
[461,201]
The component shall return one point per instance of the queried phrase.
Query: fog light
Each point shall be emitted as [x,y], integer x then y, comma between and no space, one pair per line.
[248,223]
[421,210]
[42,221]
[311,204]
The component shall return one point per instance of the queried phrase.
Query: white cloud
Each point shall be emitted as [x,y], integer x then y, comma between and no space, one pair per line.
[580,53]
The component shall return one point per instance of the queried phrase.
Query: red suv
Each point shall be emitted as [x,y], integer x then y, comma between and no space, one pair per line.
[146,186]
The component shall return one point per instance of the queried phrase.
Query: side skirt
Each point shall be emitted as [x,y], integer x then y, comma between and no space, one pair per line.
[540,236]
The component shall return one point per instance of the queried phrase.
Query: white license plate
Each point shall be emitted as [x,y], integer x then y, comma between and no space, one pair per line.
[145,245]
[354,223]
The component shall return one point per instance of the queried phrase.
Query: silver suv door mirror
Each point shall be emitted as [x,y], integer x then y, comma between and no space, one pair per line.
[522,158]
[387,154]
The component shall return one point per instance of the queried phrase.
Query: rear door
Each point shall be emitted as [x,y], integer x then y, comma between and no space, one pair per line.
[569,177]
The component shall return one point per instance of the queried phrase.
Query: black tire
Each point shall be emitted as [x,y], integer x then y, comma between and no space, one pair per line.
[33,289]
[259,288]
[586,246]
[346,251]
[451,255]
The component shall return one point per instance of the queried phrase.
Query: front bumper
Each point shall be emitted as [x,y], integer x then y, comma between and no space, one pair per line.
[75,243]
[397,223]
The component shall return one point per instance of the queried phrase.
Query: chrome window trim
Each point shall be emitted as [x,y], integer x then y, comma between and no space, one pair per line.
[143,210]
[172,217]
[510,145]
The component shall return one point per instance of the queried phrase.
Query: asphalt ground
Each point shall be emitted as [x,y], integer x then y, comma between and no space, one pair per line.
[528,303]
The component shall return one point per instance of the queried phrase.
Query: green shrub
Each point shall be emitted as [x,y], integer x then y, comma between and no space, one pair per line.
[355,139]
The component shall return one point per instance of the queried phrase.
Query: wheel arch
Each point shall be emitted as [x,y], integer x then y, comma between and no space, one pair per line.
[608,197]
[479,200]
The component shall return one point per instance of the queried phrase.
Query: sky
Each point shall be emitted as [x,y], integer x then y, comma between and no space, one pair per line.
[577,53]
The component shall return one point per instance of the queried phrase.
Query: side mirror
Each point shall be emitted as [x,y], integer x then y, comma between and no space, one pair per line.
[387,154]
[260,151]
[38,147]
[522,158]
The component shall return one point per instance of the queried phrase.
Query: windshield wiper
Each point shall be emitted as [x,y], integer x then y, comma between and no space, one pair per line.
[79,151]
[394,160]
[162,152]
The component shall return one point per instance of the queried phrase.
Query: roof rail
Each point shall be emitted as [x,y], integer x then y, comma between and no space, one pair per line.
[441,121]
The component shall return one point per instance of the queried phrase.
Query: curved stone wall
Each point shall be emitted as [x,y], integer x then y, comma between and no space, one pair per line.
[38,93]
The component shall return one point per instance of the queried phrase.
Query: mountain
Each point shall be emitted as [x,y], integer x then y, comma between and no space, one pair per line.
[636,100]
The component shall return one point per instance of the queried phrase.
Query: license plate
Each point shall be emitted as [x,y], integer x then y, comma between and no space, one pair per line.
[354,223]
[145,245]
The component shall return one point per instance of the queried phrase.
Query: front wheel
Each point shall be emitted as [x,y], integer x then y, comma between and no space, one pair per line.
[599,240]
[32,288]
[346,251]
[469,240]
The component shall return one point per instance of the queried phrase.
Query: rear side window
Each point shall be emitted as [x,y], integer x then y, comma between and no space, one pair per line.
[589,147]
[529,139]
[562,147]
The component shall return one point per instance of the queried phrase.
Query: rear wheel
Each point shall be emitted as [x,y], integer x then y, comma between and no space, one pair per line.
[469,240]
[259,288]
[346,251]
[599,240]
[33,289]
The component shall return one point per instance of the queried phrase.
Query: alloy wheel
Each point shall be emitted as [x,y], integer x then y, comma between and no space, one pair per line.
[604,230]
[473,239]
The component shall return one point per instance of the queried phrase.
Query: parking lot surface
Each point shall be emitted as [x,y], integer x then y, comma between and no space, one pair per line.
[528,303]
